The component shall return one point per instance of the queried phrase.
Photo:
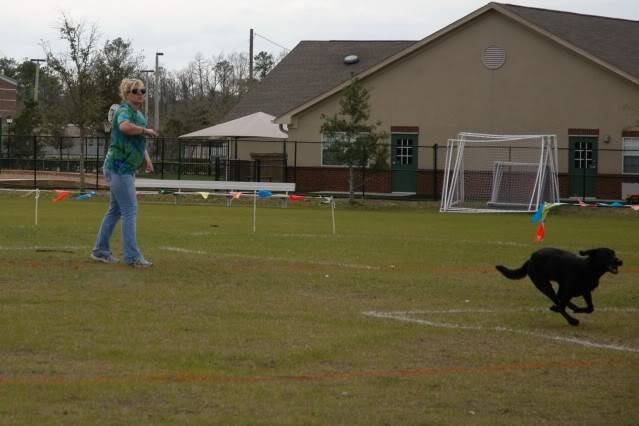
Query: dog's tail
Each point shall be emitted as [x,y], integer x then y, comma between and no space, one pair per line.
[514,274]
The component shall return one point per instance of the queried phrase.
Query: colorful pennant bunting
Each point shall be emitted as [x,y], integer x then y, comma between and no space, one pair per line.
[540,232]
[327,200]
[61,196]
[264,194]
[613,204]
[538,216]
[85,196]
[582,204]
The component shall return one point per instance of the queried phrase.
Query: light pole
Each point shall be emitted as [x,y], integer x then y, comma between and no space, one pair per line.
[251,57]
[9,122]
[37,78]
[156,94]
[146,98]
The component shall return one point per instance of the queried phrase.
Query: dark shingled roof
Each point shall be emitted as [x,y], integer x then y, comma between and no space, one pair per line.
[310,69]
[615,41]
[313,68]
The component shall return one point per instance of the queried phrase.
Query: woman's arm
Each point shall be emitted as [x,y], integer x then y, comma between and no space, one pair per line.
[147,162]
[134,130]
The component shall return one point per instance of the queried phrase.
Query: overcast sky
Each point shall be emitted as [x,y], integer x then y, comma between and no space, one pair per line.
[185,28]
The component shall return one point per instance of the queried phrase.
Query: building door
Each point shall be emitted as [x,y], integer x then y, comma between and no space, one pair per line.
[404,162]
[583,165]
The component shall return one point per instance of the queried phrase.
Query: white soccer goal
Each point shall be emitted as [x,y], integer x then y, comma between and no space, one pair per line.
[499,173]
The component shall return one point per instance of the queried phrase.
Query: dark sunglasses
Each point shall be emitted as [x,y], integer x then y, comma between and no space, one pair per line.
[136,91]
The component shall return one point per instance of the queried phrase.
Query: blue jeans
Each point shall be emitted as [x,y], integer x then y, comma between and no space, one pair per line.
[124,204]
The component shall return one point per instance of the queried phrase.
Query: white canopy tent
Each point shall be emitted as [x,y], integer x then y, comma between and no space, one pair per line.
[252,137]
[253,126]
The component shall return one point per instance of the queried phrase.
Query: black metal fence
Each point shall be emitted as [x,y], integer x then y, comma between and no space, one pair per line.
[46,161]
[172,158]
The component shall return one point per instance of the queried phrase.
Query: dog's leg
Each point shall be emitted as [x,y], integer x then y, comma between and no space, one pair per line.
[561,309]
[573,307]
[589,306]
[563,301]
[571,320]
[545,287]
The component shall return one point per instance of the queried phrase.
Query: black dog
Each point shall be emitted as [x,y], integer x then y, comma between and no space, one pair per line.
[575,275]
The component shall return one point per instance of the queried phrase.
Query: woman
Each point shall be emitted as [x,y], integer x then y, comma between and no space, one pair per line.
[126,154]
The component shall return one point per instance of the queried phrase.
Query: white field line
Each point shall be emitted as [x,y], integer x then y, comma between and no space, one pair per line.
[290,235]
[272,259]
[405,318]
[313,236]
[494,311]
[34,248]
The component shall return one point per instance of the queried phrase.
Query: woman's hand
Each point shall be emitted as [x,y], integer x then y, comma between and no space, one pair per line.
[149,167]
[148,164]
[151,133]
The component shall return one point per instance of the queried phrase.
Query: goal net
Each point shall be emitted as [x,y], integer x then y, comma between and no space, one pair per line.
[499,173]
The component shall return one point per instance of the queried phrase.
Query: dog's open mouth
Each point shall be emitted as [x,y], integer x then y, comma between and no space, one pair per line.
[613,269]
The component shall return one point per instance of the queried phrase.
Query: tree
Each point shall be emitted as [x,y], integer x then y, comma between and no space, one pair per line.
[201,70]
[264,63]
[24,73]
[223,76]
[240,77]
[8,67]
[117,60]
[353,141]
[26,124]
[75,71]
[31,117]
[50,114]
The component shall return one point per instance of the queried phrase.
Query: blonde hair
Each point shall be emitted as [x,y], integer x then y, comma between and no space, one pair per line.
[128,84]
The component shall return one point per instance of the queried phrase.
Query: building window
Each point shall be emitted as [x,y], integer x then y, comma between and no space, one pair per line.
[631,155]
[404,151]
[584,155]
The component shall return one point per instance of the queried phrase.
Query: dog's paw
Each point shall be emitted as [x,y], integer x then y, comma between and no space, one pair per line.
[573,321]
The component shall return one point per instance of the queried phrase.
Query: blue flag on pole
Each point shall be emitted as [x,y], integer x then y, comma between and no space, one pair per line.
[85,196]
[539,214]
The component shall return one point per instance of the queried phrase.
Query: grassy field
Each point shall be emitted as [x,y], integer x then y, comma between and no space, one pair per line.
[399,318]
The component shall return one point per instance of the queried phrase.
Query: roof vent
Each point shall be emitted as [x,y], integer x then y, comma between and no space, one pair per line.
[351,59]
[493,57]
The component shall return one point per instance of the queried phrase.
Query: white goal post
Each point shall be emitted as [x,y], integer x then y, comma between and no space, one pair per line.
[485,173]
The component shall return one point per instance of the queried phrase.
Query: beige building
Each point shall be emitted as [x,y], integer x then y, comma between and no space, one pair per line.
[502,69]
